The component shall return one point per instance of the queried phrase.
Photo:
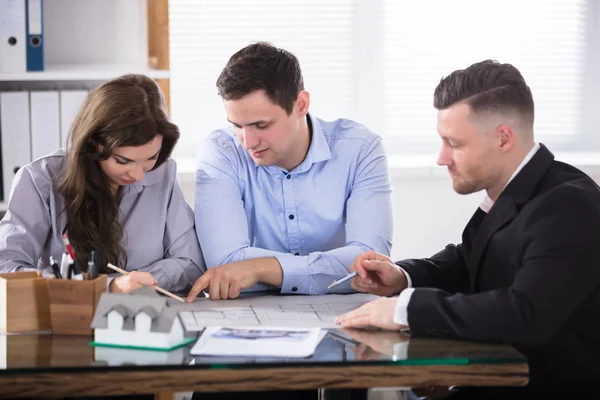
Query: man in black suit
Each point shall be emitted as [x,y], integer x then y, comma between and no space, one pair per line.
[527,271]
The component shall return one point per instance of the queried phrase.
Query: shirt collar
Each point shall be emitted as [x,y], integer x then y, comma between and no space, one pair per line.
[150,178]
[487,203]
[319,147]
[317,152]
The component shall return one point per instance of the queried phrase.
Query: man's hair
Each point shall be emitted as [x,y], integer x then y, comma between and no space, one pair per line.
[262,66]
[487,86]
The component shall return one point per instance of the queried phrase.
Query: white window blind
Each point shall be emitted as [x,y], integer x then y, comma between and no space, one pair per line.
[378,61]
[544,39]
[204,34]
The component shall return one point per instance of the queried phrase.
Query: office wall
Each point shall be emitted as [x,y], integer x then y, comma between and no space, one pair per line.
[107,32]
[428,214]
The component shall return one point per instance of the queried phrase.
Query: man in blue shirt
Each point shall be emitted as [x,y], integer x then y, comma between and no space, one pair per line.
[284,199]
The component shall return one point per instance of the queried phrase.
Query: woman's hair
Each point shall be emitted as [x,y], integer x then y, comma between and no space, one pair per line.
[126,111]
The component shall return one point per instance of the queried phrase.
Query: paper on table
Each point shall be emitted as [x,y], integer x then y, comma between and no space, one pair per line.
[257,342]
[279,311]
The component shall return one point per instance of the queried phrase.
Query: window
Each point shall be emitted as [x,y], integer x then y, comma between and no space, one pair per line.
[378,61]
[545,40]
[204,34]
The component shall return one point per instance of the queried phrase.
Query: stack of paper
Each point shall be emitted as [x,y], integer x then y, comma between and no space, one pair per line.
[257,342]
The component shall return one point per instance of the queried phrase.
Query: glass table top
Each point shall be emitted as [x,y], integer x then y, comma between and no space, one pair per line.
[43,352]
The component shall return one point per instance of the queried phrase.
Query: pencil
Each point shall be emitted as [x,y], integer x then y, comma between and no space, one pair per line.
[160,290]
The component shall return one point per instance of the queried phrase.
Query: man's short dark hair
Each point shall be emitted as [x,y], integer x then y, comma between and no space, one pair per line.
[262,66]
[487,86]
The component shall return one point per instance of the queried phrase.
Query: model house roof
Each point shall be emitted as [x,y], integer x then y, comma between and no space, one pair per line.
[121,309]
[150,311]
[129,305]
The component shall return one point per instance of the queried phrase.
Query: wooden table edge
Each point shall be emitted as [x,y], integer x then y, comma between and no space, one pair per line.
[147,381]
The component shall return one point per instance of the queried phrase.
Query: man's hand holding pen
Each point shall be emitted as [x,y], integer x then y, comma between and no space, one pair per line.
[377,274]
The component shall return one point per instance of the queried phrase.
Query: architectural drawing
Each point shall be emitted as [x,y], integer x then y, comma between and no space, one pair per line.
[270,311]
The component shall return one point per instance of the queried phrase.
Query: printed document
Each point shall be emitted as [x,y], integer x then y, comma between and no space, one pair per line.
[257,342]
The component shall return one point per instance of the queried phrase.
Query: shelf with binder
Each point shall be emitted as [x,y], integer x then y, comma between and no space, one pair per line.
[88,72]
[80,40]
[53,52]
[34,123]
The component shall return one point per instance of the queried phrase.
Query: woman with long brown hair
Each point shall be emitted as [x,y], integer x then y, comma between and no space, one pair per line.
[113,190]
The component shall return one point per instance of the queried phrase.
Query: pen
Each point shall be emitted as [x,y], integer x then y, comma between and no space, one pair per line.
[55,269]
[342,280]
[64,266]
[160,290]
[76,275]
[92,270]
[68,246]
[69,267]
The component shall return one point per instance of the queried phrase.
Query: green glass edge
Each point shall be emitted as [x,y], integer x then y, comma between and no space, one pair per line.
[422,361]
[118,346]
[498,360]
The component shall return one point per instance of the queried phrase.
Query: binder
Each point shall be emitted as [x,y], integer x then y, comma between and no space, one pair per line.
[16,142]
[35,35]
[12,36]
[70,103]
[45,123]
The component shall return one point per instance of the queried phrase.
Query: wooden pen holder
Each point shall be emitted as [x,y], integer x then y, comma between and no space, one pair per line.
[24,304]
[73,304]
[25,351]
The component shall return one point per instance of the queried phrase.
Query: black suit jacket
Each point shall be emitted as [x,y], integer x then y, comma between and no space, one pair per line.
[527,274]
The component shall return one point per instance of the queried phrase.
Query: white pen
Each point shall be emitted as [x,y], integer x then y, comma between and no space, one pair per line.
[342,280]
[64,265]
[76,274]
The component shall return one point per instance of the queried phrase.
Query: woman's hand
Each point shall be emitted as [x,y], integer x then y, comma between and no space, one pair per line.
[127,283]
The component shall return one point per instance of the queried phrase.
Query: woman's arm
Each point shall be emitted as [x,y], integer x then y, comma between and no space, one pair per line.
[25,228]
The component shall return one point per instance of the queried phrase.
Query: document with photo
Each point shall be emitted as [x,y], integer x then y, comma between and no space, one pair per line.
[253,342]
[259,334]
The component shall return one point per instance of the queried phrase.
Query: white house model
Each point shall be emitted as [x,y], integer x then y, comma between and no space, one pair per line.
[140,319]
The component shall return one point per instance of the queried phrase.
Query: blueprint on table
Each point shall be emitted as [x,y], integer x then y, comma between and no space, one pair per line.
[271,311]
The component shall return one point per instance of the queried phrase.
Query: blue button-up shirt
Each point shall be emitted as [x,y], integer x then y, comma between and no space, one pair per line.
[314,219]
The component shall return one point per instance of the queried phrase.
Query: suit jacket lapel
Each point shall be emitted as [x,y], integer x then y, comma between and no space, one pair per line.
[518,192]
[503,211]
